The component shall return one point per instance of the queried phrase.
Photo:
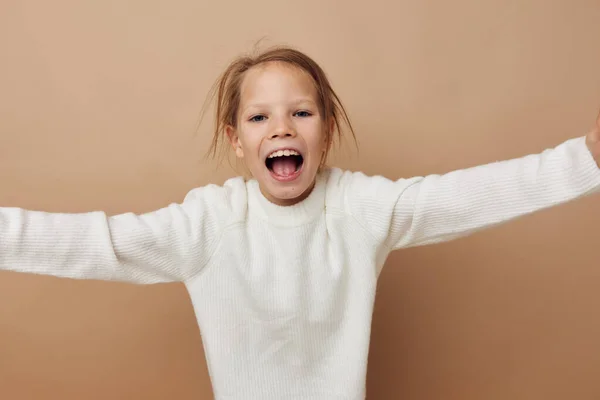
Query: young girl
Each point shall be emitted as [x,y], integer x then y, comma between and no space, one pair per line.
[282,269]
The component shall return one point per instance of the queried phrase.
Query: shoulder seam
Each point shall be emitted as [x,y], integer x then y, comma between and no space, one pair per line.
[214,245]
[343,212]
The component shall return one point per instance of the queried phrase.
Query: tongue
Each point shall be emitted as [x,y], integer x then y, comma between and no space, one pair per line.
[284,166]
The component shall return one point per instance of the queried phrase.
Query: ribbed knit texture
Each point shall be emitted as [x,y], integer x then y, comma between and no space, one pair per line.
[284,295]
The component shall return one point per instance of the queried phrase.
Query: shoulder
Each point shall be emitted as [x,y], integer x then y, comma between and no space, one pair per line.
[370,200]
[227,201]
[352,188]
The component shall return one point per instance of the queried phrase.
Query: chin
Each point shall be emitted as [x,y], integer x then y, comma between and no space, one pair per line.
[287,191]
[288,195]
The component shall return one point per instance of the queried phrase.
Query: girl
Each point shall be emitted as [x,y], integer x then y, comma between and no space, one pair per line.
[282,268]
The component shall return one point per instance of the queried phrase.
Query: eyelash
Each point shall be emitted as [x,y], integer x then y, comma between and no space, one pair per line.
[253,118]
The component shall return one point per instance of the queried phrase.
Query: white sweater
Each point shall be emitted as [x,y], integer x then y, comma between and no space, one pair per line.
[284,295]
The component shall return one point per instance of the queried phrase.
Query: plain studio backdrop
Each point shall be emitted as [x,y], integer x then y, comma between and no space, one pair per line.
[99,103]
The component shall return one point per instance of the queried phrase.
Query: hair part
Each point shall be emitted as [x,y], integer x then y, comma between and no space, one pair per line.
[227,90]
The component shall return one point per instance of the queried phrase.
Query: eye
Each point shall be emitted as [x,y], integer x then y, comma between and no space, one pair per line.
[257,118]
[303,114]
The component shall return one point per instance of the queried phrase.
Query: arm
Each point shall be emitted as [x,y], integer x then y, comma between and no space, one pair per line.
[437,208]
[166,245]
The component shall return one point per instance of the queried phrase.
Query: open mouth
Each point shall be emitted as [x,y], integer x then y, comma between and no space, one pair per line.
[285,164]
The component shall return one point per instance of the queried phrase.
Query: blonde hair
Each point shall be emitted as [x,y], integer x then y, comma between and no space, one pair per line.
[227,92]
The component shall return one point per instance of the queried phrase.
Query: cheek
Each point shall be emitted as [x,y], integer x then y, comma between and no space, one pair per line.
[321,138]
[314,132]
[251,142]
[253,133]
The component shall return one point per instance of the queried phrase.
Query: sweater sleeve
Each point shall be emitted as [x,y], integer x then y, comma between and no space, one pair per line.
[436,208]
[165,245]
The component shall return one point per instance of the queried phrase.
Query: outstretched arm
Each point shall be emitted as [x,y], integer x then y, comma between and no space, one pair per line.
[161,246]
[437,208]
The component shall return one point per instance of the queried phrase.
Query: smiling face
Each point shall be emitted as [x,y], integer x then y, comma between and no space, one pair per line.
[280,133]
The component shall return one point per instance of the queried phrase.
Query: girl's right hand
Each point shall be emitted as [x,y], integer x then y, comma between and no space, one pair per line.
[593,141]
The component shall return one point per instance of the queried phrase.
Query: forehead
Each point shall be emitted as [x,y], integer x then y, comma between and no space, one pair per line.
[276,83]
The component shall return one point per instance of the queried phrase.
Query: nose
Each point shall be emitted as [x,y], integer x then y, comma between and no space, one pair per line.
[282,129]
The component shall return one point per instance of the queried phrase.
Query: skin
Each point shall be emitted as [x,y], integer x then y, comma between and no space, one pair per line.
[279,109]
[593,141]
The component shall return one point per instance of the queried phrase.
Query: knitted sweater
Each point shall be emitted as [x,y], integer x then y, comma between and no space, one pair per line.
[284,295]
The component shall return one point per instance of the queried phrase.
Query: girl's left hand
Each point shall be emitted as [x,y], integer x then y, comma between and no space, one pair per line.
[593,141]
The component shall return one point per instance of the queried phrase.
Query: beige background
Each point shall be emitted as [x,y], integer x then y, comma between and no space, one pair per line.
[98,107]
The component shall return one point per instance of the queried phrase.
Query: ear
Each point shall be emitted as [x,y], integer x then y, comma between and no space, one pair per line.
[234,140]
[331,125]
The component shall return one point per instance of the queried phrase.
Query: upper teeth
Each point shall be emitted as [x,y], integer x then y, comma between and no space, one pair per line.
[280,153]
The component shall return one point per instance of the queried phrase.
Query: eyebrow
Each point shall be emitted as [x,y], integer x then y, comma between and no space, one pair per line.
[293,103]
